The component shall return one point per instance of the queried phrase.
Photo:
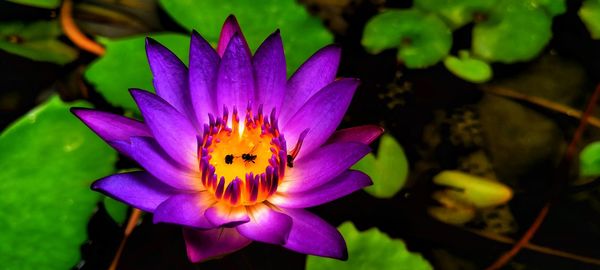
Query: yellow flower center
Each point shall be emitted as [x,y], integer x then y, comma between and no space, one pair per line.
[242,164]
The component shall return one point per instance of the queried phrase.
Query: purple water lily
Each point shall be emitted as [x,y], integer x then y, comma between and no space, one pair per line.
[233,151]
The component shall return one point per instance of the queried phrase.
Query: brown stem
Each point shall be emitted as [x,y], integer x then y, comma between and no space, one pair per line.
[570,153]
[542,102]
[74,34]
[131,223]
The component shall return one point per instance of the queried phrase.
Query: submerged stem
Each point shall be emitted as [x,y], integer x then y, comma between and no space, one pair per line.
[131,223]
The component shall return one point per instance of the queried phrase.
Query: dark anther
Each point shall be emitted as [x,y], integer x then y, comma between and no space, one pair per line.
[290,161]
[249,157]
[229,159]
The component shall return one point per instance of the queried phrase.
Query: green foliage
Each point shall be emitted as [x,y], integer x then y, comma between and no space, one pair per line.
[124,66]
[370,249]
[473,190]
[115,209]
[456,12]
[302,34]
[49,159]
[552,7]
[49,4]
[589,160]
[388,171]
[37,41]
[590,15]
[422,39]
[467,68]
[515,31]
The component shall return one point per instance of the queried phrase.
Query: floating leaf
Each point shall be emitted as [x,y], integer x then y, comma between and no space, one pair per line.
[471,189]
[552,7]
[115,209]
[589,160]
[515,31]
[451,211]
[124,66]
[37,41]
[422,39]
[590,15]
[49,159]
[388,171]
[49,4]
[371,249]
[467,68]
[456,12]
[302,34]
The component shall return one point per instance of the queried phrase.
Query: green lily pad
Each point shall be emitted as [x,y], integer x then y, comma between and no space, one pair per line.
[473,190]
[49,4]
[467,68]
[589,160]
[456,12]
[590,15]
[37,41]
[115,209]
[49,159]
[388,171]
[552,7]
[124,66]
[503,37]
[370,249]
[422,39]
[302,34]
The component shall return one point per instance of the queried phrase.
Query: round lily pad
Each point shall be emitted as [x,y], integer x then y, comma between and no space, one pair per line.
[371,249]
[514,31]
[456,12]
[48,161]
[590,15]
[422,39]
[467,68]
[124,66]
[589,160]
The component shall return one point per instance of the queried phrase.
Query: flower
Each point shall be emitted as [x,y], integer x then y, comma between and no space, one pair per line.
[233,151]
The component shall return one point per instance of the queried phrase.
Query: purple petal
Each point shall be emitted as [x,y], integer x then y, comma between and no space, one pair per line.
[204,62]
[230,28]
[185,209]
[312,235]
[235,85]
[156,161]
[221,214]
[138,189]
[344,184]
[170,128]
[112,128]
[317,72]
[363,134]
[203,245]
[321,114]
[266,225]
[170,76]
[270,72]
[322,165]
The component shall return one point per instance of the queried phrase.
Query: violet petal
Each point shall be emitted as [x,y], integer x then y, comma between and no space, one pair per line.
[222,214]
[138,189]
[204,62]
[202,245]
[266,225]
[155,160]
[170,76]
[270,72]
[170,128]
[321,114]
[235,85]
[344,184]
[317,72]
[111,127]
[363,134]
[322,165]
[185,209]
[230,28]
[312,235]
